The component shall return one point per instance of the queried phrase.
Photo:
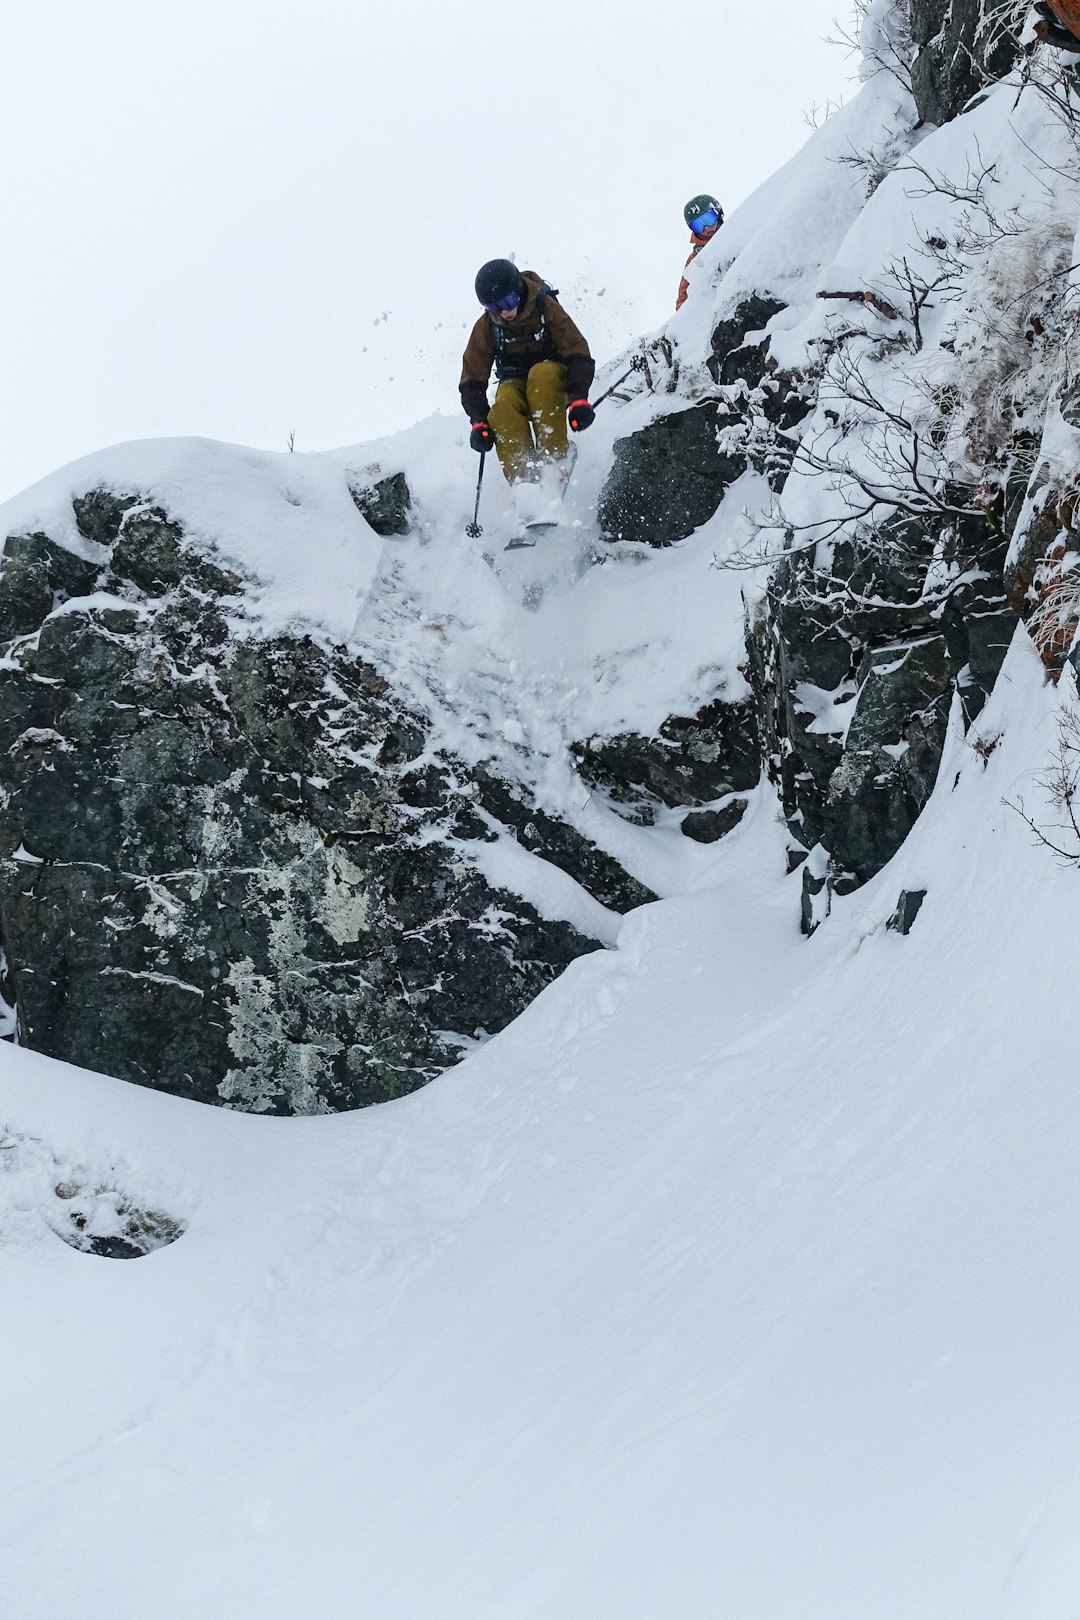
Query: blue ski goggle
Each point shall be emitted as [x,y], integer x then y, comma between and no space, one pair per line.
[704,222]
[504,306]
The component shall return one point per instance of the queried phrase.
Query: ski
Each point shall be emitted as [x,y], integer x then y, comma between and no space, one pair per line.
[530,535]
[532,531]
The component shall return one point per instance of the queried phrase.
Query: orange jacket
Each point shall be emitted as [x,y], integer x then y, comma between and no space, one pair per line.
[1068,13]
[696,245]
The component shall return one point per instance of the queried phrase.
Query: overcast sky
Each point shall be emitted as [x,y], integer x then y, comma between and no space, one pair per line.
[250,218]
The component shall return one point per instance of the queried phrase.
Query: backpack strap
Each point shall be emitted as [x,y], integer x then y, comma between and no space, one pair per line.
[504,343]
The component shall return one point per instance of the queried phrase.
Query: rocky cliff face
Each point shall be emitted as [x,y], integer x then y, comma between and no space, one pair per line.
[248,869]
[859,647]
[962,45]
[231,868]
[856,649]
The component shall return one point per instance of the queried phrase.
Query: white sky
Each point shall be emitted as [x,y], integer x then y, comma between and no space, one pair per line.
[244,218]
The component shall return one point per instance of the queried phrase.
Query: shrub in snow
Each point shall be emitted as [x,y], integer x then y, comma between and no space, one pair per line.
[1009,330]
[883,30]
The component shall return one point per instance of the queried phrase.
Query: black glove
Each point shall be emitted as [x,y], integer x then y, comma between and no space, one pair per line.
[581,415]
[481,438]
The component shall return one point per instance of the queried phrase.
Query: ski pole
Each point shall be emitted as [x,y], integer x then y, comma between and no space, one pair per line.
[636,364]
[474,529]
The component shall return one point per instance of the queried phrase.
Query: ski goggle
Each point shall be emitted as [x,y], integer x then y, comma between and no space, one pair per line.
[704,222]
[504,306]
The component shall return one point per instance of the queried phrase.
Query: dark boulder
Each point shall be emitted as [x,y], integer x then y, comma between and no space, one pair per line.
[35,577]
[963,44]
[670,478]
[100,513]
[709,826]
[907,909]
[385,504]
[559,844]
[733,357]
[233,869]
[891,754]
[854,662]
[692,761]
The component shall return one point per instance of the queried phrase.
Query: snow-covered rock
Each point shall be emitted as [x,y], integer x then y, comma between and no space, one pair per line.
[736,1274]
[309,792]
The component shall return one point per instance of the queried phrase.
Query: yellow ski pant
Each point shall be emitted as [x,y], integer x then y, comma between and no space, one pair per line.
[528,419]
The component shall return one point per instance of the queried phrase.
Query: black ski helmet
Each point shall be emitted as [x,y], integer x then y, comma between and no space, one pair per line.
[700,205]
[497,280]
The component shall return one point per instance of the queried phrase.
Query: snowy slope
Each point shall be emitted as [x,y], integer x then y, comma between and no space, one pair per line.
[734,1279]
[717,1284]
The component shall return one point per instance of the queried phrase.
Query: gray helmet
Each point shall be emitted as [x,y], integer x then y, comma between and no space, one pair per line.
[699,205]
[499,279]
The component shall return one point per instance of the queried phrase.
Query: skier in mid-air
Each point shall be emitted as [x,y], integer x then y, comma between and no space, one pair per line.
[704,216]
[543,367]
